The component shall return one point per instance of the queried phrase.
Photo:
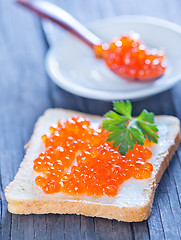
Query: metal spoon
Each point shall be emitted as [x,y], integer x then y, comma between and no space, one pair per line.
[62,18]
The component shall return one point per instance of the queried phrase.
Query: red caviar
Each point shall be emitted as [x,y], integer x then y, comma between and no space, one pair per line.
[78,160]
[129,58]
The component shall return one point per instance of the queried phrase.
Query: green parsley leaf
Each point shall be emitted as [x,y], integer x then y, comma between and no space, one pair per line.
[126,130]
[124,108]
[146,116]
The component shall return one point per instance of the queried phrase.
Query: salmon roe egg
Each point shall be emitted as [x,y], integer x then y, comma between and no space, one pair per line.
[129,58]
[78,160]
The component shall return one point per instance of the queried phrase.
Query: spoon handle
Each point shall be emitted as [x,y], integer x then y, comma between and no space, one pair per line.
[62,18]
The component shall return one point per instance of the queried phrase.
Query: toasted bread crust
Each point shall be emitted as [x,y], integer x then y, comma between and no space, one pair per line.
[87,208]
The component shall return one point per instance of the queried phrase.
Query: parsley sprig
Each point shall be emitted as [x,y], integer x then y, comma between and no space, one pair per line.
[126,130]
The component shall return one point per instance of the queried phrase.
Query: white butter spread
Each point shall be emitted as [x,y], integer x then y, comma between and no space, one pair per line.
[131,193]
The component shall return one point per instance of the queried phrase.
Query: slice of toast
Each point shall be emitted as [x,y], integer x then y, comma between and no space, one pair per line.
[135,197]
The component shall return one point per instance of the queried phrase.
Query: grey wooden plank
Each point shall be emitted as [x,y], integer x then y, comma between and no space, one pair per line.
[176,96]
[167,217]
[103,228]
[172,11]
[87,228]
[156,230]
[155,8]
[20,230]
[141,230]
[72,227]
[55,226]
[112,229]
[40,227]
[169,227]
[98,107]
[85,11]
[23,94]
[176,169]
[174,196]
[122,231]
[107,9]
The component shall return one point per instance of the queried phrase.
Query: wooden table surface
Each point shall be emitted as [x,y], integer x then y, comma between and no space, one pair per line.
[26,91]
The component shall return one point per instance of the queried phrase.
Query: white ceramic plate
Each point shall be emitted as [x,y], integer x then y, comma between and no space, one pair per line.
[72,65]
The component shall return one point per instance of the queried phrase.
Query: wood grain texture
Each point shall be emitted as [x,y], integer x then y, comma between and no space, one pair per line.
[26,91]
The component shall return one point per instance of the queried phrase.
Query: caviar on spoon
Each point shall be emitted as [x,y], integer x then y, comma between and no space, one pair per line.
[131,59]
[127,57]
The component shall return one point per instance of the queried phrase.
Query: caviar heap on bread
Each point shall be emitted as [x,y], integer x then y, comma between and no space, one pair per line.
[101,167]
[82,159]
